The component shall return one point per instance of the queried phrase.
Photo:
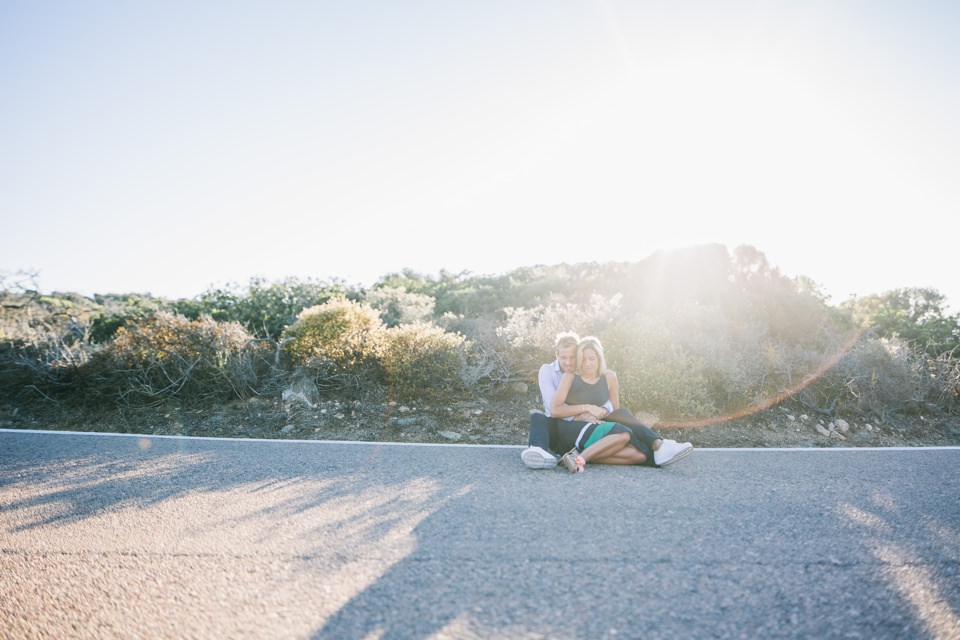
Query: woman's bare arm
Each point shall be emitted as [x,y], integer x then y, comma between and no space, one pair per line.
[560,409]
[558,404]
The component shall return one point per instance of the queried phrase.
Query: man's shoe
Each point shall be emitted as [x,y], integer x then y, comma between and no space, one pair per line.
[537,458]
[670,451]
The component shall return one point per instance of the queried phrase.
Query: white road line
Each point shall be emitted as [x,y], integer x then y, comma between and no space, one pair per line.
[454,444]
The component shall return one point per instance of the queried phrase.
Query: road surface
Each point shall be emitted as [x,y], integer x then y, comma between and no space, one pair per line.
[107,536]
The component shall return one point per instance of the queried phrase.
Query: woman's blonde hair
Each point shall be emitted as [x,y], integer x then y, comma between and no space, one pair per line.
[591,342]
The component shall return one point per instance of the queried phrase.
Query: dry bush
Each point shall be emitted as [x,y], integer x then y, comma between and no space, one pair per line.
[880,376]
[944,371]
[483,366]
[483,359]
[169,356]
[422,360]
[44,341]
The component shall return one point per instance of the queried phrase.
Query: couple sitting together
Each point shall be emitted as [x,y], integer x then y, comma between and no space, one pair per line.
[583,416]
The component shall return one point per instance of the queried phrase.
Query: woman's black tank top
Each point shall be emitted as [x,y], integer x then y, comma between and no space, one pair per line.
[585,393]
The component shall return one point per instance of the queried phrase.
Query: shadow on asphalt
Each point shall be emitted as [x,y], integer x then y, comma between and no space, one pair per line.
[416,542]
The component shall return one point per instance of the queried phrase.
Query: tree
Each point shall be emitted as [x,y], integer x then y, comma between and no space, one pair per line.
[913,314]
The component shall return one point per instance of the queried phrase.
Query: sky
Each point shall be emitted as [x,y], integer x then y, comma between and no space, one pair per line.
[170,147]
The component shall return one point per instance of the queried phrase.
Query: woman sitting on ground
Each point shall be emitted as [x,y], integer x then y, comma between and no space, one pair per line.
[622,438]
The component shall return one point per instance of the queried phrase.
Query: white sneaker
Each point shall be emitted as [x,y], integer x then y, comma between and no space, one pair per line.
[537,458]
[670,451]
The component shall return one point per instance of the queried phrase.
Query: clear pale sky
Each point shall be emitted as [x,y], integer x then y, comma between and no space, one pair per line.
[166,147]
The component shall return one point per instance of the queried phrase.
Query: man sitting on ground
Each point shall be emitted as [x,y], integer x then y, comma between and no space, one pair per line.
[543,427]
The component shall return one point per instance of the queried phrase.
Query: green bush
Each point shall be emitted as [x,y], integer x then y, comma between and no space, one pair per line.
[264,308]
[422,360]
[117,310]
[399,306]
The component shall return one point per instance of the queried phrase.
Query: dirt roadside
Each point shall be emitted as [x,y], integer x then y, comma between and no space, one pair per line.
[501,420]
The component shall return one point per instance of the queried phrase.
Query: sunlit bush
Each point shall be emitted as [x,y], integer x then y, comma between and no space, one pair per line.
[345,334]
[656,373]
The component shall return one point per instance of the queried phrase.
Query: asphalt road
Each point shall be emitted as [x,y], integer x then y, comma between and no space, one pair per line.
[105,536]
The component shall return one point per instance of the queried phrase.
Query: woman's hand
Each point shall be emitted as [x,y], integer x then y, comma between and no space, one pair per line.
[595,413]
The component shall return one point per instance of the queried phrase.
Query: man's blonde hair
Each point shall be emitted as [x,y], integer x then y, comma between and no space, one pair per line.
[566,339]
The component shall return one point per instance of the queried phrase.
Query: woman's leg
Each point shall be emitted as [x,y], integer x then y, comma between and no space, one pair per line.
[626,455]
[646,440]
[606,446]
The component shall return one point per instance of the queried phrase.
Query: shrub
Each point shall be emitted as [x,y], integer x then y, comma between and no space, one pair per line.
[878,376]
[399,306]
[44,341]
[117,310]
[529,334]
[339,337]
[169,356]
[264,308]
[422,360]
[656,374]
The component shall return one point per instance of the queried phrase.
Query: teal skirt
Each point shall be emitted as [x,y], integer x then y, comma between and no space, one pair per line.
[594,433]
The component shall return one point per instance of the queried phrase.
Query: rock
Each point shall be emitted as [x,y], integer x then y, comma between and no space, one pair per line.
[648,418]
[287,429]
[404,422]
[519,388]
[822,430]
[293,399]
[842,425]
[303,383]
[450,435]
